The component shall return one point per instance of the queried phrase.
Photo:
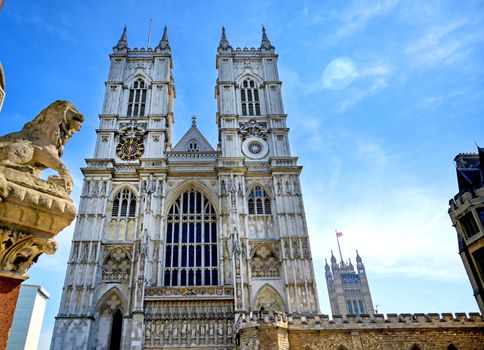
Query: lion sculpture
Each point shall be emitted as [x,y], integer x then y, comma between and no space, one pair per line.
[40,143]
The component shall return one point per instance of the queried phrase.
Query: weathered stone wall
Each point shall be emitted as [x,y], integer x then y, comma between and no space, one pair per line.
[396,332]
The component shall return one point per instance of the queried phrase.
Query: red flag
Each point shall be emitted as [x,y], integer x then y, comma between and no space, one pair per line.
[339,234]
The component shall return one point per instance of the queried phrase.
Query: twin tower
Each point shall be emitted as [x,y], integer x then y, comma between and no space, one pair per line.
[174,241]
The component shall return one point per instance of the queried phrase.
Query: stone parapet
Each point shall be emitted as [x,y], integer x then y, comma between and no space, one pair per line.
[393,331]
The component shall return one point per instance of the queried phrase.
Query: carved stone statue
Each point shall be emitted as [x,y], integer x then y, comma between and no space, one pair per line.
[40,143]
[33,210]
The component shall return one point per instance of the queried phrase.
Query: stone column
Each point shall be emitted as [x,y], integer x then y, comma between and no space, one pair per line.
[32,210]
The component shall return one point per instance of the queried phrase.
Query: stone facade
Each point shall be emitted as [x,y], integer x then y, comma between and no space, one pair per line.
[173,242]
[274,331]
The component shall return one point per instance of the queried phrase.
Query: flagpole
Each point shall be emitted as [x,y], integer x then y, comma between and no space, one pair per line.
[339,248]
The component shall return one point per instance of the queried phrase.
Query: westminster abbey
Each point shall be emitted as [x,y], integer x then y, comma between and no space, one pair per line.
[186,245]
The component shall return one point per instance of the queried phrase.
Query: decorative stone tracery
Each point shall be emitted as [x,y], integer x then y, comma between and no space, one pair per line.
[268,299]
[264,262]
[116,265]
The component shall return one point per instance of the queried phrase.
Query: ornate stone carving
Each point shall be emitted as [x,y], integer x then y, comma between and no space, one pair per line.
[33,210]
[116,265]
[269,300]
[264,262]
[253,128]
[19,250]
[177,323]
[40,143]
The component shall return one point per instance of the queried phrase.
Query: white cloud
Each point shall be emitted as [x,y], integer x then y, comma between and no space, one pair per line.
[360,15]
[440,45]
[339,73]
[342,72]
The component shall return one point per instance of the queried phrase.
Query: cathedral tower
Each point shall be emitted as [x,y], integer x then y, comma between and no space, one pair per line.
[172,243]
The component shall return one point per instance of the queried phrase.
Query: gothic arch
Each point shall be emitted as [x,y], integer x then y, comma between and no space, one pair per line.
[249,74]
[268,299]
[415,347]
[264,187]
[138,74]
[112,300]
[191,238]
[119,188]
[187,185]
[452,347]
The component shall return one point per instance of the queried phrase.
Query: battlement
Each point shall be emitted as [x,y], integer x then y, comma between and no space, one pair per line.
[362,322]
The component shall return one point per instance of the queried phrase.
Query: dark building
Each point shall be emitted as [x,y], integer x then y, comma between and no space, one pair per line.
[467,214]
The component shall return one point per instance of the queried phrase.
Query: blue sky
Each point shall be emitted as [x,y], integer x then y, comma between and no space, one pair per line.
[381,95]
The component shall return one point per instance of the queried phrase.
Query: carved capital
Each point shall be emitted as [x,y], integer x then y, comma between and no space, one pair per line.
[18,251]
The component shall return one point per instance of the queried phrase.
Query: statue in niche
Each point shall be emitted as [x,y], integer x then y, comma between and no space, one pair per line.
[166,330]
[40,144]
[223,187]
[210,329]
[194,331]
[279,187]
[220,330]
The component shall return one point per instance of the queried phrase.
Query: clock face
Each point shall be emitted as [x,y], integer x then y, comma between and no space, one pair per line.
[130,149]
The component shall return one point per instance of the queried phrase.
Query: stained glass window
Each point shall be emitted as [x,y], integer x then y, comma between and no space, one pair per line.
[191,242]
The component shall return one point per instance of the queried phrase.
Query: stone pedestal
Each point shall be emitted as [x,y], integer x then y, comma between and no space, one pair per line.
[32,212]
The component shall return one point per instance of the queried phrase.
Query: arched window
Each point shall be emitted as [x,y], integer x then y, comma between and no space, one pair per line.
[249,96]
[193,146]
[350,307]
[191,242]
[452,347]
[137,99]
[116,331]
[124,205]
[355,307]
[259,202]
[415,347]
[362,309]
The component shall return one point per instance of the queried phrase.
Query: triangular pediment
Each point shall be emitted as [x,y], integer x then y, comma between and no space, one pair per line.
[193,141]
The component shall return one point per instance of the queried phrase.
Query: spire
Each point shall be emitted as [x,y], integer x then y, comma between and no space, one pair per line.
[265,43]
[333,259]
[123,41]
[164,43]
[358,257]
[224,43]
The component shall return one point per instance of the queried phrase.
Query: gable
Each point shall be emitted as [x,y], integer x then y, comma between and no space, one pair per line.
[193,141]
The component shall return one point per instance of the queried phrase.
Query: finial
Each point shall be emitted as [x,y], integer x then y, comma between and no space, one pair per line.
[224,43]
[333,259]
[164,43]
[358,257]
[123,41]
[194,121]
[265,43]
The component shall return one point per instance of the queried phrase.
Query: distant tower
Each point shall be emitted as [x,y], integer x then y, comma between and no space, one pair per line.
[349,292]
[467,214]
